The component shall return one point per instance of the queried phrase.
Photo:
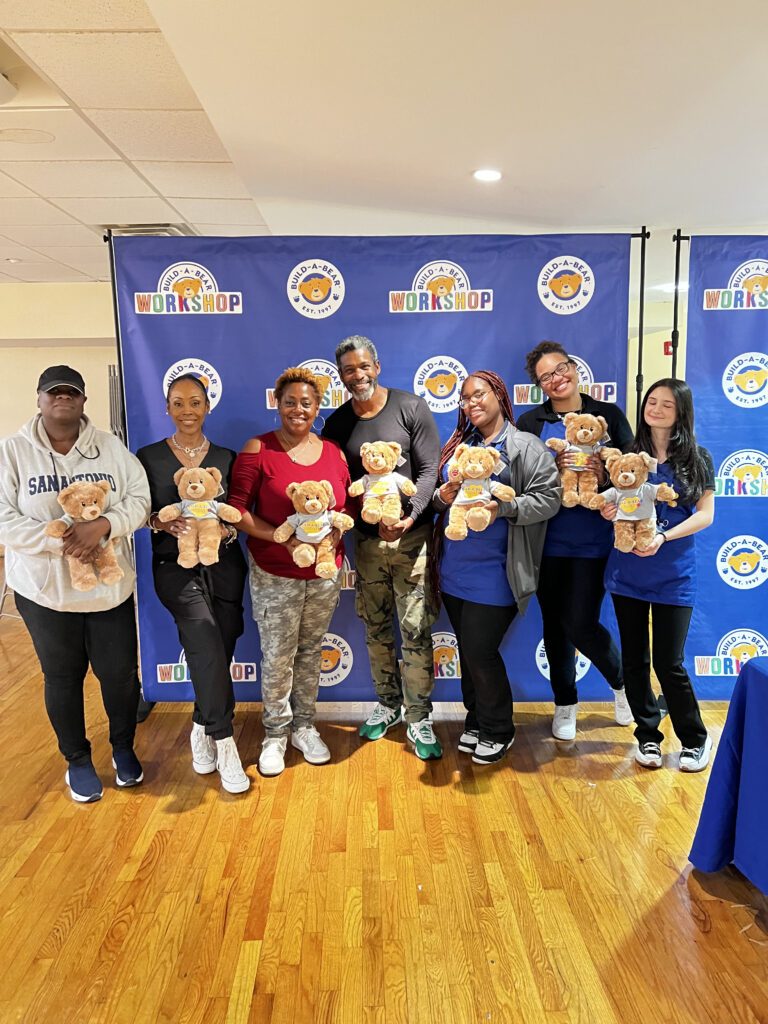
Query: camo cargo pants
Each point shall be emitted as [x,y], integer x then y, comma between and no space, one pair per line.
[292,616]
[394,577]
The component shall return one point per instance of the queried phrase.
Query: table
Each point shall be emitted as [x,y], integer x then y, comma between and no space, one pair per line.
[733,826]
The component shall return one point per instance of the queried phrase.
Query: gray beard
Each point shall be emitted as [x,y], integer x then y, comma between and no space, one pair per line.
[367,395]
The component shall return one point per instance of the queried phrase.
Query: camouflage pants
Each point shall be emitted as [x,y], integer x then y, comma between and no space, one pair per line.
[394,577]
[292,616]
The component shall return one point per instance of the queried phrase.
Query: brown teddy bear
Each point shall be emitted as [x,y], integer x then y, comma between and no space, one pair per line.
[198,489]
[312,524]
[635,522]
[472,467]
[82,503]
[381,485]
[584,435]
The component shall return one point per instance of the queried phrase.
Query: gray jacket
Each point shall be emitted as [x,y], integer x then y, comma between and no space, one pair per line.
[536,481]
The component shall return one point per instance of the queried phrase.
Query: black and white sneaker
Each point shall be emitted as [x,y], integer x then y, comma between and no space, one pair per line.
[696,759]
[468,741]
[649,755]
[486,751]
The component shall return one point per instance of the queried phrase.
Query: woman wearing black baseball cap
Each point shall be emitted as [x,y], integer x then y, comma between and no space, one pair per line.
[71,628]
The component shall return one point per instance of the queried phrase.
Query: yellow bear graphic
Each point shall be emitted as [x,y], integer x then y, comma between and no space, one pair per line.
[441,384]
[565,286]
[323,381]
[744,651]
[329,659]
[316,289]
[756,283]
[187,287]
[748,472]
[440,286]
[744,562]
[751,379]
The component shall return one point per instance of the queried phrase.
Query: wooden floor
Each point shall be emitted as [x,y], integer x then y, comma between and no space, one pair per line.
[552,888]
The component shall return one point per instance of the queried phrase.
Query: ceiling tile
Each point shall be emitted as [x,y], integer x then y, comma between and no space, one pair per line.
[45,272]
[160,134]
[50,235]
[82,257]
[12,190]
[72,137]
[127,70]
[78,178]
[195,180]
[121,211]
[30,211]
[231,230]
[219,211]
[15,251]
[110,15]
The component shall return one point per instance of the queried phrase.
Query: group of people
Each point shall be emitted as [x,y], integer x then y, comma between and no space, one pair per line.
[404,570]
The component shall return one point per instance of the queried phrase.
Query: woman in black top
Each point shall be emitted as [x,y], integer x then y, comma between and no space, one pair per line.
[207,601]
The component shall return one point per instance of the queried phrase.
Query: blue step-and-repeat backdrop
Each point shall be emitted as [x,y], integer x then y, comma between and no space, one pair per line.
[237,311]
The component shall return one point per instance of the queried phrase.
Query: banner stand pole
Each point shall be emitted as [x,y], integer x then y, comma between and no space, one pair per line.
[643,235]
[678,239]
[108,238]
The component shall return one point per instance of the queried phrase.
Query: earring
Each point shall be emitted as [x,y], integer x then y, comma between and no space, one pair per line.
[318,430]
[277,421]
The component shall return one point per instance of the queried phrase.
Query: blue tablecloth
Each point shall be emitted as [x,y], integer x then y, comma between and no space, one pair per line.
[733,826]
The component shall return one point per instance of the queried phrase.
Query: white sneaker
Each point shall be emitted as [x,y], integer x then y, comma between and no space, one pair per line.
[307,739]
[228,765]
[487,751]
[468,741]
[622,712]
[696,759]
[564,722]
[272,756]
[203,750]
[648,755]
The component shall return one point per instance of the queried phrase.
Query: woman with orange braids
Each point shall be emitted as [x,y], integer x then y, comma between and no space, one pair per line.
[488,578]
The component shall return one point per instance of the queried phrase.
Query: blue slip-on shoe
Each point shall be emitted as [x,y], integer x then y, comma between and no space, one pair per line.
[84,784]
[127,767]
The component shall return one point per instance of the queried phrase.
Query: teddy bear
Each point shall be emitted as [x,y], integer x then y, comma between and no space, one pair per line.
[82,503]
[198,489]
[584,435]
[635,522]
[472,467]
[565,286]
[381,485]
[312,523]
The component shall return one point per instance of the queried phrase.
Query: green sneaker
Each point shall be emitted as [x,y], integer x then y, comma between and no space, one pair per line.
[425,742]
[379,721]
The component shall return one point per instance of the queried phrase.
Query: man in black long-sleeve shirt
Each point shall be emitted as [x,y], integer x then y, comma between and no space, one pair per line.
[392,562]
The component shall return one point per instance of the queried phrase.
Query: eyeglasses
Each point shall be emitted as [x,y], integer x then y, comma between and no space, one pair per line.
[474,399]
[560,371]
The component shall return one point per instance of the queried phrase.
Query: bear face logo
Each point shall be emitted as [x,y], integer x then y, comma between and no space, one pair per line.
[756,283]
[441,384]
[751,380]
[440,286]
[744,562]
[329,659]
[566,285]
[744,651]
[187,287]
[315,289]
[748,473]
[443,656]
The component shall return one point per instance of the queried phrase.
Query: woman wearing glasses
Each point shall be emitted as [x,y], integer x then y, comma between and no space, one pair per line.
[490,576]
[576,548]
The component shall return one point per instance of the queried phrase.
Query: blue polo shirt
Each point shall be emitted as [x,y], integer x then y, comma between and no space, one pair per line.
[475,569]
[669,576]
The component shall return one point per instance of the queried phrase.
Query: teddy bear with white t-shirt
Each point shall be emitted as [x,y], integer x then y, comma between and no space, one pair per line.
[635,522]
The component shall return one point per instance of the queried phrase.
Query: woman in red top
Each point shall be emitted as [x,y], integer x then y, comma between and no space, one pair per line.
[292,606]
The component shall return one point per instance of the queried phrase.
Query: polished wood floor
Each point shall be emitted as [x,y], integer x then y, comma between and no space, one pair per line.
[553,888]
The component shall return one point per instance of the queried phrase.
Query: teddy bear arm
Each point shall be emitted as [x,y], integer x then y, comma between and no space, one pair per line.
[608,453]
[408,487]
[557,444]
[341,521]
[503,492]
[168,513]
[56,529]
[229,514]
[668,494]
[355,489]
[283,532]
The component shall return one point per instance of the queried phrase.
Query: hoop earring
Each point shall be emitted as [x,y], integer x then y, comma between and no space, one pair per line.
[277,421]
[315,428]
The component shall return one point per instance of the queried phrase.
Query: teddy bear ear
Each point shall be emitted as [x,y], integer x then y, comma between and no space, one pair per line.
[603,424]
[291,490]
[648,460]
[569,418]
[215,473]
[178,475]
[611,461]
[460,450]
[104,485]
[327,486]
[364,449]
[395,448]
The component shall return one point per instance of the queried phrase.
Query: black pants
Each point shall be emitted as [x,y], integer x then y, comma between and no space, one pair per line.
[669,628]
[207,606]
[570,594]
[485,688]
[65,642]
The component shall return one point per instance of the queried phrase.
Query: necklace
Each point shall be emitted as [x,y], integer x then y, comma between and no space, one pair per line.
[191,452]
[286,444]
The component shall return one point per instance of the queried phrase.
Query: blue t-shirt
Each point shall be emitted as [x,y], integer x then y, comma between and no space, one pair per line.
[669,576]
[475,569]
[576,532]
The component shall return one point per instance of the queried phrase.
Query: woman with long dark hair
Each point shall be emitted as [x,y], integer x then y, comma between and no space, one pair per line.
[489,577]
[662,578]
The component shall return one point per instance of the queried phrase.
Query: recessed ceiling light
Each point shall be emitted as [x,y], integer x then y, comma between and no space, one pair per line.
[25,136]
[487,174]
[11,259]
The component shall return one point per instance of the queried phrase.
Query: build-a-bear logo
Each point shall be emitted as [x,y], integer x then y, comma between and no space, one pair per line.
[336,660]
[742,562]
[745,380]
[441,286]
[178,671]
[566,285]
[187,288]
[438,381]
[200,368]
[334,392]
[734,648]
[747,289]
[744,474]
[446,654]
[603,391]
[315,288]
[582,663]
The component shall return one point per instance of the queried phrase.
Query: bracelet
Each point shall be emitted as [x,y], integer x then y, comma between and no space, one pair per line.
[232,531]
[663,536]
[154,529]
